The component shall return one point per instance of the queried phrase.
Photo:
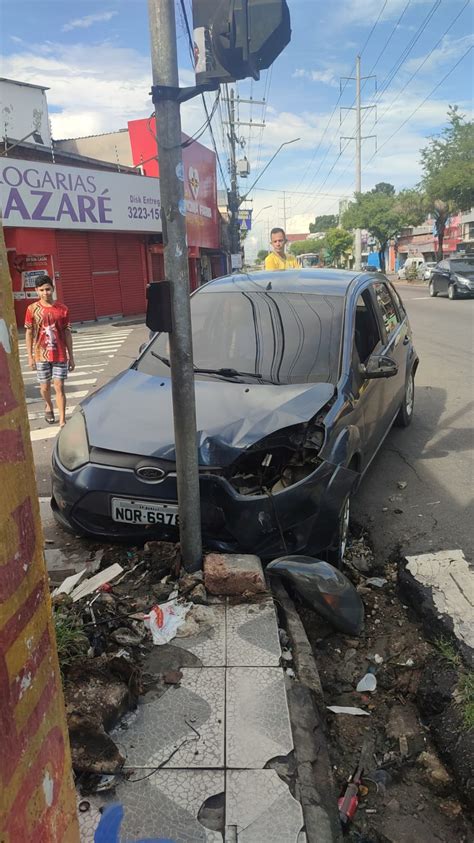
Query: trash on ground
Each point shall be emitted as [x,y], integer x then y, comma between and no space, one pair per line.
[324,589]
[402,484]
[367,683]
[348,709]
[377,582]
[69,583]
[164,620]
[92,584]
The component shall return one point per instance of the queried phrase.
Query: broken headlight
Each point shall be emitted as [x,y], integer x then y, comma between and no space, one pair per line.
[73,447]
[278,461]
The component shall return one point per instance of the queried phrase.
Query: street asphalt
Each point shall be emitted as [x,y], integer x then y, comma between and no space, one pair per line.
[434,456]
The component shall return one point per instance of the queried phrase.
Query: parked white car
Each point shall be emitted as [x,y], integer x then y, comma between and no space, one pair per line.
[428,270]
[419,262]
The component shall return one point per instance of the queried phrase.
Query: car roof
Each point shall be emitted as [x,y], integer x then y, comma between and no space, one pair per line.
[329,282]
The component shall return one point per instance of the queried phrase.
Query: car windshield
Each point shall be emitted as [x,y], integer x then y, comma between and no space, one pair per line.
[284,337]
[464,265]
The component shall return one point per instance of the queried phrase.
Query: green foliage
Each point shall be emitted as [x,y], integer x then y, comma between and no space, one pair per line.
[322,223]
[337,242]
[448,651]
[302,247]
[448,172]
[384,213]
[261,255]
[71,641]
[466,694]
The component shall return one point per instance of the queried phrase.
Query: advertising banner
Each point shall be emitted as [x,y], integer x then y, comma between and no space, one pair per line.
[38,195]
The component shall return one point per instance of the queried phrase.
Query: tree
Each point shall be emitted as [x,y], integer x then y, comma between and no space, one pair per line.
[261,255]
[448,172]
[302,247]
[337,242]
[384,187]
[322,223]
[384,214]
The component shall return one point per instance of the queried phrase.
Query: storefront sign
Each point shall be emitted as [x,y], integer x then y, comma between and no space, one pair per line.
[245,219]
[200,187]
[34,195]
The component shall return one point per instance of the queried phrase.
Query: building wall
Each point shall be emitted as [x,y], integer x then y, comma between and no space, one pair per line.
[113,147]
[22,109]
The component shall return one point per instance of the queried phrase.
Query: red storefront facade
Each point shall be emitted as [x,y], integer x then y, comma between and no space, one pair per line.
[88,229]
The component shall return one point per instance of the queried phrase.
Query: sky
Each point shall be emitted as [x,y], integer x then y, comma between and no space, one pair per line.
[95,59]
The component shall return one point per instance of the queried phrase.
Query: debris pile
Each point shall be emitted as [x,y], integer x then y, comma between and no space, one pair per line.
[383,696]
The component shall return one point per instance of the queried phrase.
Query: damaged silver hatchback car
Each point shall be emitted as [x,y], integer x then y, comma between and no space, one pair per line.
[299,376]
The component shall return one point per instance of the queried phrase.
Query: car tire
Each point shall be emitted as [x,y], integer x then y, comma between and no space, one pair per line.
[433,292]
[452,292]
[405,413]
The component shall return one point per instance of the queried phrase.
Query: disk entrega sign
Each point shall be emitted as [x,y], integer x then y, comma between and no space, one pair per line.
[34,195]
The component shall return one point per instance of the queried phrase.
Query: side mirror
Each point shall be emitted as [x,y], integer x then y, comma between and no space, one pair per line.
[379,367]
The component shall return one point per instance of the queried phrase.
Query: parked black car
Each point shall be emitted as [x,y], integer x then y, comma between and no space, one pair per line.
[299,377]
[453,277]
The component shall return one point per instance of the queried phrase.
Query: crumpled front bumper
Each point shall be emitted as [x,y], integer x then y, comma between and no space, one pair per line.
[304,516]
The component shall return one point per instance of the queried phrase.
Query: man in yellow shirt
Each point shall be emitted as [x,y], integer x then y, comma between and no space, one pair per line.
[278,259]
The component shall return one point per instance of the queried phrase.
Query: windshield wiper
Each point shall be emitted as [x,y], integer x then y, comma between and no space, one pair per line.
[227,373]
[163,359]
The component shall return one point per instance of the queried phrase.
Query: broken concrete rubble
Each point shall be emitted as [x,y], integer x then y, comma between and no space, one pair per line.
[233,574]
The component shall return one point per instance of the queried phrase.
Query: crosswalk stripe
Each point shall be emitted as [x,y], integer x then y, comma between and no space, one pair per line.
[43,433]
[36,416]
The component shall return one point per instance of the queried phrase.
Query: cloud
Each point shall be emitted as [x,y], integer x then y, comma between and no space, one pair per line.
[325,76]
[449,49]
[359,12]
[88,20]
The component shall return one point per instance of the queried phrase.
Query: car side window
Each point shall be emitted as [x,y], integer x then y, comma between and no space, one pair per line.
[386,306]
[443,266]
[398,302]
[366,329]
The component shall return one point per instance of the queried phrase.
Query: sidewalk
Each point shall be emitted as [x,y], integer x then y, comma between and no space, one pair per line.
[213,755]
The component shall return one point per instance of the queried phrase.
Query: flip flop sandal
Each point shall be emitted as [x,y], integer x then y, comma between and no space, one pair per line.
[49,417]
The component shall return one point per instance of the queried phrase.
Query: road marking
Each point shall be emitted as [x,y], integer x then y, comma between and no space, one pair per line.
[420,298]
[35,416]
[44,433]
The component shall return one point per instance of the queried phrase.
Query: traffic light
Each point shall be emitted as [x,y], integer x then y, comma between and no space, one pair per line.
[234,39]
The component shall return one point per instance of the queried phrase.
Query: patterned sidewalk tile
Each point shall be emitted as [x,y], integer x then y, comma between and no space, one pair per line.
[167,804]
[188,718]
[257,719]
[208,645]
[252,635]
[261,809]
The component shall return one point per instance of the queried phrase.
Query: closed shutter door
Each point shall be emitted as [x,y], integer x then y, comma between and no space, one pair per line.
[105,274]
[131,260]
[157,266]
[75,274]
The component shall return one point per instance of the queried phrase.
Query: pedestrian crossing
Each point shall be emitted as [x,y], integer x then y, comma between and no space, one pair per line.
[93,350]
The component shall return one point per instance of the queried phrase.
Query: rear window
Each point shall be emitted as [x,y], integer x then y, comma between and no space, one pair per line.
[285,337]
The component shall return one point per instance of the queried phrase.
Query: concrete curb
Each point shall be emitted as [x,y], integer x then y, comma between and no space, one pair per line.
[317,792]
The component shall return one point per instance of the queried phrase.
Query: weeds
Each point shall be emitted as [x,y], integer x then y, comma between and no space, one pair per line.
[448,651]
[71,641]
[466,698]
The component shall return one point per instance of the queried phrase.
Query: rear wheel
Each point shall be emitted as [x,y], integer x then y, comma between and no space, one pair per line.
[405,413]
[433,292]
[452,292]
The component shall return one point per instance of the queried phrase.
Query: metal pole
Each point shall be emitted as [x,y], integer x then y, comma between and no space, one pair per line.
[168,129]
[234,199]
[358,244]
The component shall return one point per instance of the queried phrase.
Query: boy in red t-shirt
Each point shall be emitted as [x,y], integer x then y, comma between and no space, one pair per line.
[49,346]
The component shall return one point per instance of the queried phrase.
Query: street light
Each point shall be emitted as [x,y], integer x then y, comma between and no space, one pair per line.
[286,143]
[260,211]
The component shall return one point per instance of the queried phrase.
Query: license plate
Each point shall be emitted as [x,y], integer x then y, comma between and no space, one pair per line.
[127,511]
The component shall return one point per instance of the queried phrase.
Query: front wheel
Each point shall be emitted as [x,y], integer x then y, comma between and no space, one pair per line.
[452,292]
[433,292]
[405,413]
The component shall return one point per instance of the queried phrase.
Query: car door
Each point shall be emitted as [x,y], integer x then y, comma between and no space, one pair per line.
[396,338]
[440,277]
[366,398]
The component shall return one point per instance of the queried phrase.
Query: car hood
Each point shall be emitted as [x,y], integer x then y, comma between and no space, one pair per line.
[134,414]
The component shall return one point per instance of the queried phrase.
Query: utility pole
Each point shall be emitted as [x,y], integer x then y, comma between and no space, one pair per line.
[233,195]
[358,179]
[168,129]
[358,144]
